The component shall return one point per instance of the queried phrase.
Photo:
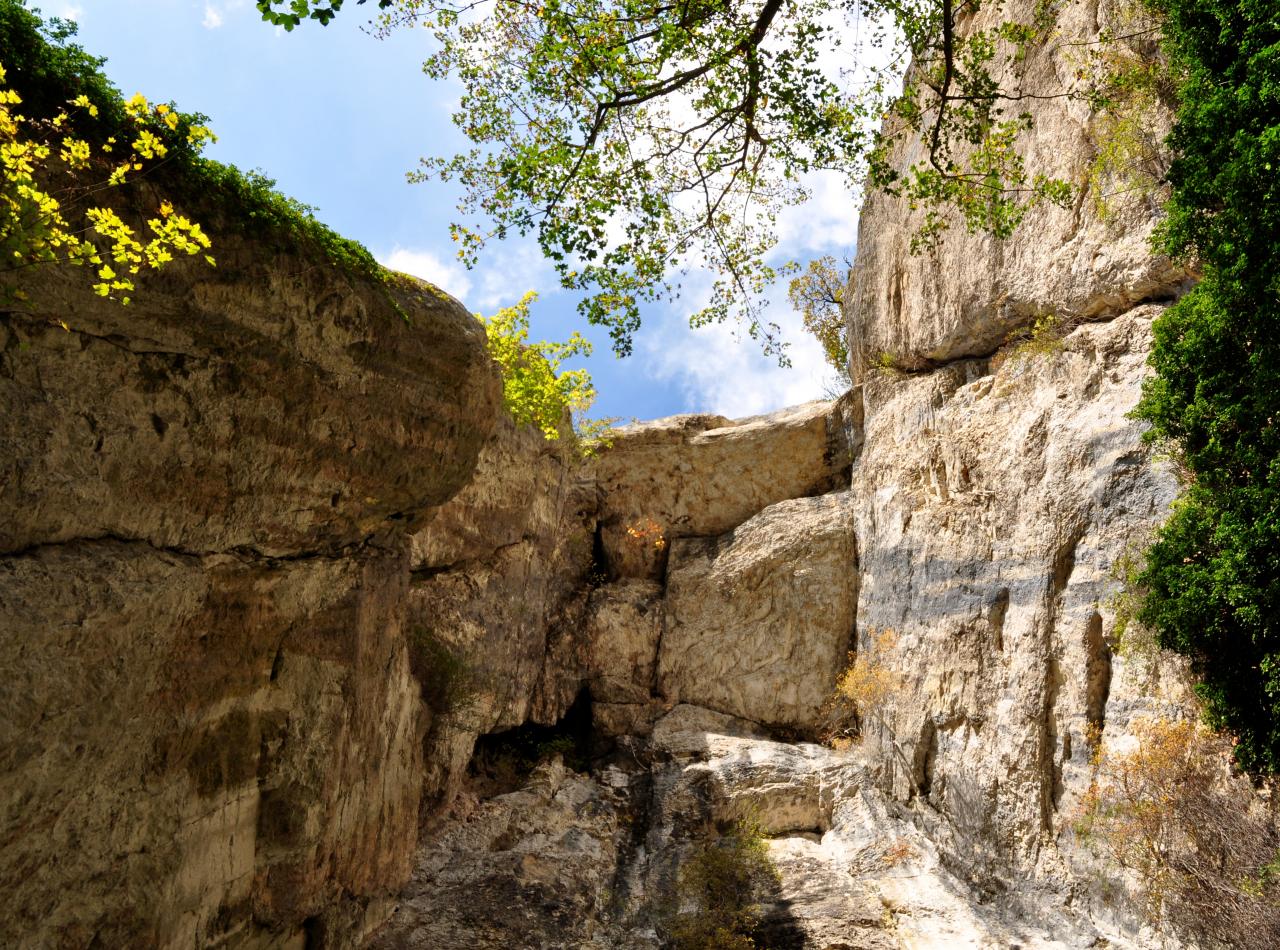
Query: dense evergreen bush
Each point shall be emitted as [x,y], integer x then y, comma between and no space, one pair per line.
[1213,573]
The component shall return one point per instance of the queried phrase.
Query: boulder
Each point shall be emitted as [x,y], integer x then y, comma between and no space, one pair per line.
[759,621]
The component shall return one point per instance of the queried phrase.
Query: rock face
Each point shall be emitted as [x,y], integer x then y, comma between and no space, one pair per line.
[572,861]
[699,476]
[920,310]
[498,574]
[194,745]
[759,620]
[272,408]
[975,505]
[995,508]
[212,731]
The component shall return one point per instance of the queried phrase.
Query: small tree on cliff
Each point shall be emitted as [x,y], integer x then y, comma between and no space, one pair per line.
[632,137]
[817,294]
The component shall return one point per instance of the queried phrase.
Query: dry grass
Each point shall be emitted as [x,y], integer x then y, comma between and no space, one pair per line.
[862,689]
[1205,853]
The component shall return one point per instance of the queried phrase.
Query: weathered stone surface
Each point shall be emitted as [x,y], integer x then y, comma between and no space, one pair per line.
[964,298]
[699,476]
[620,639]
[759,621]
[521,489]
[212,734]
[495,617]
[499,583]
[594,861]
[198,750]
[993,506]
[272,404]
[531,868]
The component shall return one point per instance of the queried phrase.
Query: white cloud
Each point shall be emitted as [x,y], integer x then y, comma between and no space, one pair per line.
[825,224]
[216,11]
[507,270]
[69,11]
[721,369]
[447,275]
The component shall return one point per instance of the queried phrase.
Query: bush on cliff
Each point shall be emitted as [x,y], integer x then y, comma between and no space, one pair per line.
[1213,573]
[718,890]
[535,390]
[1204,859]
[51,74]
[66,137]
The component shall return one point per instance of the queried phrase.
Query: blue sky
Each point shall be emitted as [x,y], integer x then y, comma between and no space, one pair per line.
[337,117]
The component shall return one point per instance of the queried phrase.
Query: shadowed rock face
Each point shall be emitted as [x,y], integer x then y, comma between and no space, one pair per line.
[273,405]
[211,728]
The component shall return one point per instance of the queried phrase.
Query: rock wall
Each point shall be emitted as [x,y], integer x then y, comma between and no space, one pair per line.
[211,728]
[920,310]
[974,500]
[274,563]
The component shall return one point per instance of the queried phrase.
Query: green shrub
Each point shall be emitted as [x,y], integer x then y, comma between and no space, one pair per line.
[48,70]
[448,683]
[1213,573]
[719,888]
[535,390]
[1042,338]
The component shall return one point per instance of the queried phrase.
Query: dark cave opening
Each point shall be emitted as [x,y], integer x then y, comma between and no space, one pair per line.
[502,761]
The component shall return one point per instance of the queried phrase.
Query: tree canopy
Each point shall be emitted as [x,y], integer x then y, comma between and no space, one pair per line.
[636,138]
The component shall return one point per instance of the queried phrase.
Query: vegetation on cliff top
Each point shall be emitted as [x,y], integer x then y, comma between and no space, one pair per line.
[53,75]
[62,118]
[61,147]
[535,390]
[1213,573]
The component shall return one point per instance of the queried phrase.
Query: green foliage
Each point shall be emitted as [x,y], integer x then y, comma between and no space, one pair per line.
[719,889]
[1042,338]
[1133,83]
[818,295]
[448,683]
[886,364]
[1213,573]
[534,389]
[52,74]
[251,203]
[632,137]
[1129,637]
[60,150]
[291,13]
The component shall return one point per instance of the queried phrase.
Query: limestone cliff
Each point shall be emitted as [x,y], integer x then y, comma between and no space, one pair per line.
[306,644]
[974,499]
[211,728]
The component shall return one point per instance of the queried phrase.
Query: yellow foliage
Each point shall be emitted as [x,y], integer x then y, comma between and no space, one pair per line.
[1205,857]
[647,532]
[34,228]
[536,391]
[868,682]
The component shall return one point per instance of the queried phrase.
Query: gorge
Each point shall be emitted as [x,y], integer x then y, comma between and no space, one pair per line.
[308,644]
